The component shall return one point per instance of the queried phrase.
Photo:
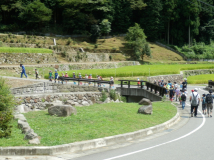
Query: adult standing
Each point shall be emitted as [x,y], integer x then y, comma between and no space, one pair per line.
[195,101]
[177,92]
[209,100]
[23,70]
[184,84]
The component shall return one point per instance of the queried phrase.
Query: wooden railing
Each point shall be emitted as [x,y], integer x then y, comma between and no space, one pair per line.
[144,85]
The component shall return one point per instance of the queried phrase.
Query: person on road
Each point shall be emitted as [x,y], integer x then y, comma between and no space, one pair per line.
[56,75]
[36,73]
[195,101]
[171,93]
[74,76]
[184,84]
[23,70]
[209,101]
[50,75]
[138,82]
[112,82]
[183,99]
[177,93]
[204,104]
[66,75]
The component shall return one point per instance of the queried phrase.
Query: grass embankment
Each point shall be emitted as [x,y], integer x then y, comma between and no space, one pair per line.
[96,121]
[200,79]
[141,70]
[24,50]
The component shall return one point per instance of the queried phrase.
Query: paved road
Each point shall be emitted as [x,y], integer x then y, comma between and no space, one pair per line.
[192,141]
[192,138]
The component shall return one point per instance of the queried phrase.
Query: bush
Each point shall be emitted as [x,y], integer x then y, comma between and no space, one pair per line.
[113,95]
[5,125]
[69,41]
[7,103]
[104,96]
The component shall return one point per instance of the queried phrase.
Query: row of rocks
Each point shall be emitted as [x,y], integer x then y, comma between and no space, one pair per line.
[146,108]
[25,127]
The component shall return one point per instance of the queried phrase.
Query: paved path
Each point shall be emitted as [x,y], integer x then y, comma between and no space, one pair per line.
[192,138]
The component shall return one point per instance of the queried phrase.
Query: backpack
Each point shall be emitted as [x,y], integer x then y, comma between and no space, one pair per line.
[204,100]
[209,98]
[194,100]
[183,97]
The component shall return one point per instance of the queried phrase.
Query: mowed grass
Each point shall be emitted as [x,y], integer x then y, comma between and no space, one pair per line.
[200,79]
[16,138]
[24,50]
[141,70]
[96,121]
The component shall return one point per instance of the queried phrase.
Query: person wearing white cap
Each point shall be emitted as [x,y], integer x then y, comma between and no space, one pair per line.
[112,84]
[195,101]
[138,82]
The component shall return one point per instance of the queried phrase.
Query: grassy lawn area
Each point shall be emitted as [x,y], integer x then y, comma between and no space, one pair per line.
[24,50]
[96,121]
[200,79]
[141,70]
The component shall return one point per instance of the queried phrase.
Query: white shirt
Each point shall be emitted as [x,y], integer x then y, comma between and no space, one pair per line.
[195,93]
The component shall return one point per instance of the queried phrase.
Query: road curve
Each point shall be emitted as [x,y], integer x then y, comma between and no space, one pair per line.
[194,140]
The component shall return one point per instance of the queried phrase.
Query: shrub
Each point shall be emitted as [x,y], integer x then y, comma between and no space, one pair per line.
[96,46]
[5,125]
[7,103]
[113,95]
[104,96]
[69,41]
[11,41]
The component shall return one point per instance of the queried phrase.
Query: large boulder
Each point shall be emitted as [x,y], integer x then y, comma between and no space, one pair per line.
[85,103]
[62,110]
[145,109]
[145,101]
[24,126]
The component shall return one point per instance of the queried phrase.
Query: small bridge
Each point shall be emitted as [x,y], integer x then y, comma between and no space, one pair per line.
[134,91]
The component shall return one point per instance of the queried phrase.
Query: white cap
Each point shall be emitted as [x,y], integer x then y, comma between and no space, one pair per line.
[185,79]
[196,89]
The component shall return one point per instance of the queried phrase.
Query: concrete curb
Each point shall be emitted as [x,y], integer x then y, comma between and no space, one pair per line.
[90,144]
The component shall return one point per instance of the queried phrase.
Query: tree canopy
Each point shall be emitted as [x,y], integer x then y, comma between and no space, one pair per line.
[167,20]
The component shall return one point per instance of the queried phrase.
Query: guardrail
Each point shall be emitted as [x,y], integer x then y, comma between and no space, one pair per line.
[142,84]
[95,81]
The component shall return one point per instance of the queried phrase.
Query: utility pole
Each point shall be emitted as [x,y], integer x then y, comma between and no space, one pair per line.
[189,31]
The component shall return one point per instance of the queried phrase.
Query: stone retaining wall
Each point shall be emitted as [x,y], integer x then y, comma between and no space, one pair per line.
[43,101]
[48,87]
[29,58]
[173,78]
[198,72]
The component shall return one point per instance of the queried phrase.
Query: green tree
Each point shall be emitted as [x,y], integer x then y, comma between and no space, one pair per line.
[95,33]
[105,26]
[36,13]
[136,40]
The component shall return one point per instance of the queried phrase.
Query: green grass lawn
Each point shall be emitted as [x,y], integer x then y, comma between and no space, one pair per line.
[24,50]
[200,79]
[141,70]
[96,121]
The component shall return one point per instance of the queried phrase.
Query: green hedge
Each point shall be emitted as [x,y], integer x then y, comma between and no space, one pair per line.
[5,123]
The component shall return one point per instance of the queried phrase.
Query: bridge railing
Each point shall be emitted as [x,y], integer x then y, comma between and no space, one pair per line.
[144,85]
[95,81]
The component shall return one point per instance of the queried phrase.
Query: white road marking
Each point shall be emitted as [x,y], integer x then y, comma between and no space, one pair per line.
[145,149]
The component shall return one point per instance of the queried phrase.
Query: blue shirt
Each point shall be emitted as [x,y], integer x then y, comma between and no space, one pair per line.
[170,84]
[74,76]
[23,68]
[56,75]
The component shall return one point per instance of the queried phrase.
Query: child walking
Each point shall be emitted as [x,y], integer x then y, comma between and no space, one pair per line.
[36,73]
[204,105]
